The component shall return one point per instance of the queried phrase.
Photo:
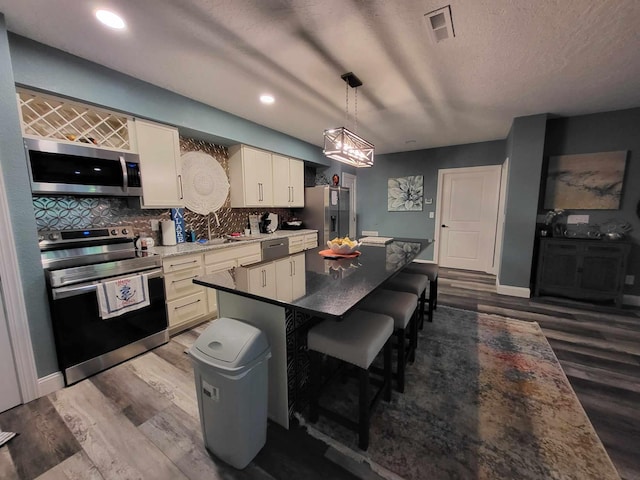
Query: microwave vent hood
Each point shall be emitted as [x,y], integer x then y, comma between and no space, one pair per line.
[61,168]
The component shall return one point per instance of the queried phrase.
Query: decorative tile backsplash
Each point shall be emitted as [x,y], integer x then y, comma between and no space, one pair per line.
[72,212]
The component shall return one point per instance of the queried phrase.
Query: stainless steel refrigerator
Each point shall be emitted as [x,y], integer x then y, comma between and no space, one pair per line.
[327,209]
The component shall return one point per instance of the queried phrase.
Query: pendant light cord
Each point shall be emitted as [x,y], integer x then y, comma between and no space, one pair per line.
[346,107]
[355,118]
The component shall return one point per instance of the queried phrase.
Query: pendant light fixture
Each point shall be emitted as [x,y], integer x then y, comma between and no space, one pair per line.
[342,144]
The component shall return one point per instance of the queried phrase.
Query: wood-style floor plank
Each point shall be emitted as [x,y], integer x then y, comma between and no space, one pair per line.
[167,380]
[174,353]
[43,441]
[7,468]
[603,376]
[76,467]
[133,396]
[179,437]
[115,446]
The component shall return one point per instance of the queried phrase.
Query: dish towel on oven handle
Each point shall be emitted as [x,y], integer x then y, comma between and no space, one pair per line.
[122,295]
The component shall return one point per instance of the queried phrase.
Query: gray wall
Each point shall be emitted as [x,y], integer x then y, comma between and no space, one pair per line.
[525,151]
[372,186]
[606,132]
[18,191]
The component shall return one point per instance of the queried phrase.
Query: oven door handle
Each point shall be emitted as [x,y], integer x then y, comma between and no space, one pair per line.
[72,291]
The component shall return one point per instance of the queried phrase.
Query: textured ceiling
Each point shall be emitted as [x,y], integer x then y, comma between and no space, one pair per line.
[509,58]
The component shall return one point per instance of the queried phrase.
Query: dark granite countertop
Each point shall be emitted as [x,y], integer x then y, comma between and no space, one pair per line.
[334,287]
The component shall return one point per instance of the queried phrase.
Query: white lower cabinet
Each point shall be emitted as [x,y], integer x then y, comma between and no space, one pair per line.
[189,304]
[310,240]
[186,301]
[222,270]
[296,244]
[282,279]
[290,284]
[260,280]
[306,241]
[219,262]
[184,310]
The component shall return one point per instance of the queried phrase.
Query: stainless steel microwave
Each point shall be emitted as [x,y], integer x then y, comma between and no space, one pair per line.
[61,168]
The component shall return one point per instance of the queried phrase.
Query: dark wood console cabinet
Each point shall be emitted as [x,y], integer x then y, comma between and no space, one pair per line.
[582,269]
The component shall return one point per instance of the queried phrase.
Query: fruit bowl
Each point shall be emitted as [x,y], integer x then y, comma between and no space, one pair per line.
[343,247]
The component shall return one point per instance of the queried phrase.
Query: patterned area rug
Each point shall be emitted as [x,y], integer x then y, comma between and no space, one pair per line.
[485,399]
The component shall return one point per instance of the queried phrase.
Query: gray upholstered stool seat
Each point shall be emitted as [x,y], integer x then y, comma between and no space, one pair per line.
[412,283]
[357,340]
[402,307]
[431,271]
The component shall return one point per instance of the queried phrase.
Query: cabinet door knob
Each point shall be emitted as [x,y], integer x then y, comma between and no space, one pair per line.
[445,226]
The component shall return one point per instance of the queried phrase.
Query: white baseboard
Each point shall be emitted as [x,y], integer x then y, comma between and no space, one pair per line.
[521,292]
[51,383]
[633,300]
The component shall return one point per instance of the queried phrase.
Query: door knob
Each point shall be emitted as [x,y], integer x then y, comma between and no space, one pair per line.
[445,226]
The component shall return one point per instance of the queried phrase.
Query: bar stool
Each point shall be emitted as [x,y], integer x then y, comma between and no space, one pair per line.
[431,271]
[402,307]
[411,283]
[356,340]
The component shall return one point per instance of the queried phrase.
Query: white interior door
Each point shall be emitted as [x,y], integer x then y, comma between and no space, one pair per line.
[349,181]
[504,178]
[10,390]
[468,210]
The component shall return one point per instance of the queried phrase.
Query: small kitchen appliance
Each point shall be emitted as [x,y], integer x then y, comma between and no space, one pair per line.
[61,168]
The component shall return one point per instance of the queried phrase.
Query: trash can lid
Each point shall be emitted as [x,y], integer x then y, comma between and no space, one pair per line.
[230,343]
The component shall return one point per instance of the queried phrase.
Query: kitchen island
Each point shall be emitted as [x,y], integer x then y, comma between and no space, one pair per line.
[323,288]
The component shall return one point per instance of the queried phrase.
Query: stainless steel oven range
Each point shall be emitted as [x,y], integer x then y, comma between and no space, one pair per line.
[79,262]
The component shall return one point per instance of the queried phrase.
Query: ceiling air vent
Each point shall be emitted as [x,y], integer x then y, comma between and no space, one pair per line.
[440,24]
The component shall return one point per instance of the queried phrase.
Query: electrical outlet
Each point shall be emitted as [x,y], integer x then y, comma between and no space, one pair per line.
[369,233]
[155,225]
[629,279]
[431,215]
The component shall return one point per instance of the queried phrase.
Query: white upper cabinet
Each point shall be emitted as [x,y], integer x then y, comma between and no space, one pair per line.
[159,150]
[288,181]
[263,179]
[250,177]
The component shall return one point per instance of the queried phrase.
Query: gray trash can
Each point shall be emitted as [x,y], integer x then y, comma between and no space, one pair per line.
[230,360]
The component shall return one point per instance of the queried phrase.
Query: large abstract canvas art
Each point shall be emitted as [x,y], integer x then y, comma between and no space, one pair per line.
[591,181]
[405,194]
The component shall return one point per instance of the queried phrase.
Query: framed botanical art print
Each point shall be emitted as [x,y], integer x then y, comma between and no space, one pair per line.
[404,194]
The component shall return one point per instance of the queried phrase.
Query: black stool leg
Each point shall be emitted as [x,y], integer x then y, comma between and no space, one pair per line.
[315,360]
[413,338]
[435,294]
[433,289]
[363,424]
[400,334]
[388,353]
[422,300]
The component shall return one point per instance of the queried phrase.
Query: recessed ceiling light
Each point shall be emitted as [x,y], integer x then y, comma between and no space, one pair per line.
[110,19]
[267,99]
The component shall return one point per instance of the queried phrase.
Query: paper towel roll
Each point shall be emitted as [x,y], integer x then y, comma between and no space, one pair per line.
[168,232]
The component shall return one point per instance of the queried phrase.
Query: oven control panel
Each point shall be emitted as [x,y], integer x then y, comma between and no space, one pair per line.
[53,237]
